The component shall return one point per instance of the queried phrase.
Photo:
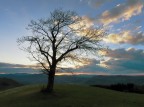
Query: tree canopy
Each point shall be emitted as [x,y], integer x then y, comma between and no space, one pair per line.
[64,36]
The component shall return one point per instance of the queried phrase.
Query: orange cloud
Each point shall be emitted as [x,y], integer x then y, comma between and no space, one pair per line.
[82,73]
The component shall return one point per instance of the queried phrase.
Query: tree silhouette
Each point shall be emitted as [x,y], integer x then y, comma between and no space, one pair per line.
[61,37]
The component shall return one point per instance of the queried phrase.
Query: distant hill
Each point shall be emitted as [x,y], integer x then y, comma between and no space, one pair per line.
[75,79]
[68,96]
[6,83]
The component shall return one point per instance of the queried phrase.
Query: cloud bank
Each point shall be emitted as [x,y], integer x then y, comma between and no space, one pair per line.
[125,60]
[118,62]
[7,68]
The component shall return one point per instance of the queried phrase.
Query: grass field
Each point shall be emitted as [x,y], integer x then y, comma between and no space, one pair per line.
[69,96]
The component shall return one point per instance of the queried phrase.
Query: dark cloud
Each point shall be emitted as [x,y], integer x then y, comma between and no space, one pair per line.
[125,60]
[118,61]
[7,68]
[8,65]
[18,70]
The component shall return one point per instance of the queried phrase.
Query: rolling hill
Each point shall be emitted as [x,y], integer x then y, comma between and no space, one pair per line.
[75,79]
[68,96]
[6,83]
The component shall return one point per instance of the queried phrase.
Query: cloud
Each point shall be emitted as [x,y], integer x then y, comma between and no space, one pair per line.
[7,68]
[127,37]
[122,12]
[92,67]
[125,60]
[98,3]
[85,22]
[8,65]
[19,70]
[118,62]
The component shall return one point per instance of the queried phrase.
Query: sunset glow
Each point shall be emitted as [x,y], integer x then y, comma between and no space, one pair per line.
[122,20]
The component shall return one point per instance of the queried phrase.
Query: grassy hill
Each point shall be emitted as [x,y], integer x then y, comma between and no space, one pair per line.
[6,83]
[69,96]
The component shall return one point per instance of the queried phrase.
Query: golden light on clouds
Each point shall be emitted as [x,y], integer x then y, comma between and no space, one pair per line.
[127,36]
[75,64]
[103,52]
[122,12]
[82,73]
[85,22]
[132,11]
[103,65]
[118,38]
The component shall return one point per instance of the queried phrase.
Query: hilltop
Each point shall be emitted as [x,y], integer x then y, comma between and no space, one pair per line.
[69,96]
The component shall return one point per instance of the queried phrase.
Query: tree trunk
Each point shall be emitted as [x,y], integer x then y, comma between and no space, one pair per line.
[51,76]
[50,83]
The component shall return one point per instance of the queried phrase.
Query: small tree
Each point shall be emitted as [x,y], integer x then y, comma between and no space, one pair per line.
[61,37]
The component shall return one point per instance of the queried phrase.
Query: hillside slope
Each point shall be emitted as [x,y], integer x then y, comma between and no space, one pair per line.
[69,96]
[6,83]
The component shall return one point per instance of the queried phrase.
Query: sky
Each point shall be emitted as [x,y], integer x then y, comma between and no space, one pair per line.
[123,18]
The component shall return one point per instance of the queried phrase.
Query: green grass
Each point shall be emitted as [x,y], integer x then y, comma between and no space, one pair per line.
[69,96]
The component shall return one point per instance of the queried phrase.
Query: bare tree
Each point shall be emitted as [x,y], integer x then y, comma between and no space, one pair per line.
[61,37]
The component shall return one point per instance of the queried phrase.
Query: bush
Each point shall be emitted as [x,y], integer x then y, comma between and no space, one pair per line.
[123,87]
[129,87]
